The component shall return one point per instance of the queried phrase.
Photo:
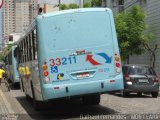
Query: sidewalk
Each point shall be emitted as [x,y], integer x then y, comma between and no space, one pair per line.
[5,107]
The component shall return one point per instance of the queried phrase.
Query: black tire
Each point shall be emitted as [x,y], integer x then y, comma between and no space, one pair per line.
[36,104]
[123,93]
[16,85]
[91,99]
[22,85]
[139,94]
[28,98]
[154,94]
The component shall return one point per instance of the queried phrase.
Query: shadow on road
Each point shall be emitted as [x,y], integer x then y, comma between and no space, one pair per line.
[132,95]
[63,109]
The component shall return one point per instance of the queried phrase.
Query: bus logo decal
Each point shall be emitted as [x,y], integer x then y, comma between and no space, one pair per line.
[54,69]
[94,62]
[106,57]
[60,76]
[91,60]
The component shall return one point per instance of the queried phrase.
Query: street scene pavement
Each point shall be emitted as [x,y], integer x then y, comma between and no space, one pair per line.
[15,102]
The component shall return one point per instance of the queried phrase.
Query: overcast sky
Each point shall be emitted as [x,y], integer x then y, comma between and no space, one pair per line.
[56,1]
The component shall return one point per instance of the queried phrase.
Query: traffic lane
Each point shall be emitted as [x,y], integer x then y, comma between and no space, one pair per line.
[57,109]
[132,104]
[63,109]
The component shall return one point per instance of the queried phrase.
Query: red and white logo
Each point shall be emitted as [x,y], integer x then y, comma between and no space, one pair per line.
[1,3]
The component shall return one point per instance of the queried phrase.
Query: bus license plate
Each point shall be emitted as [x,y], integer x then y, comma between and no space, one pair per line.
[83,75]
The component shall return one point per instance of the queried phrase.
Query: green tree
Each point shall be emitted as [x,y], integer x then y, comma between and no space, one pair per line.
[63,7]
[5,51]
[87,4]
[96,3]
[1,56]
[9,46]
[130,27]
[73,6]
[70,6]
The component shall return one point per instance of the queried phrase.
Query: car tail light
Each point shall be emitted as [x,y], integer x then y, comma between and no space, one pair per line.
[117,63]
[156,80]
[127,78]
[45,73]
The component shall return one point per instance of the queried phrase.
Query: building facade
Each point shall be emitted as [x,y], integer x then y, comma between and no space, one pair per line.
[1,28]
[21,15]
[18,14]
[9,19]
[33,10]
[152,10]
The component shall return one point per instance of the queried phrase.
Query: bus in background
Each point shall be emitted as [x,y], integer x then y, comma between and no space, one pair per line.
[11,67]
[70,53]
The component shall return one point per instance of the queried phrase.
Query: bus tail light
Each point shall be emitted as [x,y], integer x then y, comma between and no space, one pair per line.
[44,67]
[117,63]
[45,73]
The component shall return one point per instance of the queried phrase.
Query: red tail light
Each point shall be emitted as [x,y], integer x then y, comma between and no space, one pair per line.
[45,69]
[156,80]
[127,78]
[45,73]
[117,63]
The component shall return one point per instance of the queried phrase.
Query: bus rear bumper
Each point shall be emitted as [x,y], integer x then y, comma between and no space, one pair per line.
[53,91]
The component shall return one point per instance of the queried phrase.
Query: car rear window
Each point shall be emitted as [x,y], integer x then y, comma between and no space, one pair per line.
[125,69]
[141,70]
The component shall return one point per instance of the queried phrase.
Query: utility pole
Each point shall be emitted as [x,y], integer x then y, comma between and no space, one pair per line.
[81,3]
[59,3]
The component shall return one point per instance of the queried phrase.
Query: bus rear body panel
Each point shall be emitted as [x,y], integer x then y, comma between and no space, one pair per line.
[11,68]
[77,52]
[15,71]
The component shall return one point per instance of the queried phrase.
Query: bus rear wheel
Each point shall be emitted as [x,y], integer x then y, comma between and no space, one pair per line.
[154,94]
[36,104]
[91,99]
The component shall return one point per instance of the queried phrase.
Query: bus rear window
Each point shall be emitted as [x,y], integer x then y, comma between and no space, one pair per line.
[141,71]
[72,31]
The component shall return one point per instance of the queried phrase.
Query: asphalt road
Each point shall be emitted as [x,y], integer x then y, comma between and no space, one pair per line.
[111,104]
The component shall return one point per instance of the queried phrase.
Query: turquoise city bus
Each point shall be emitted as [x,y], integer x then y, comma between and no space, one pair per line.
[11,66]
[70,53]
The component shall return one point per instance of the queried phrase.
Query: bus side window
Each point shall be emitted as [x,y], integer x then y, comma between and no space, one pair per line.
[32,44]
[35,43]
[23,55]
[29,48]
[15,53]
[10,58]
[25,49]
[21,52]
